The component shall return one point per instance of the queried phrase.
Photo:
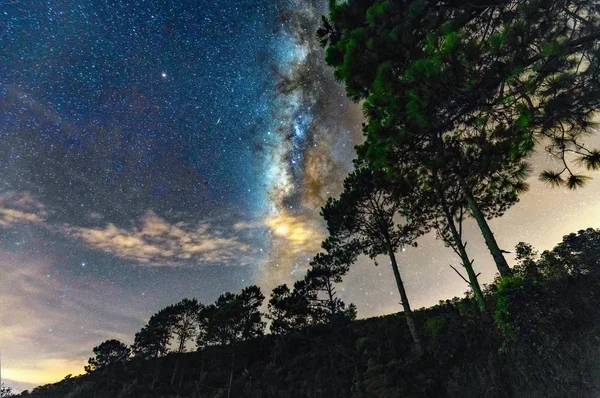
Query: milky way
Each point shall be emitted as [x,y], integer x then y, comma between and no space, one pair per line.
[155,150]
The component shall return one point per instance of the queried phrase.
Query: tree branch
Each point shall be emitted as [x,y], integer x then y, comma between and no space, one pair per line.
[459,274]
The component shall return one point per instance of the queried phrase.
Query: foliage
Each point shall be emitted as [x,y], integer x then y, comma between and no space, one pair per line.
[366,211]
[436,325]
[510,72]
[154,338]
[179,320]
[6,391]
[185,319]
[526,291]
[108,353]
[462,92]
[292,310]
[232,318]
[541,342]
[365,214]
[577,254]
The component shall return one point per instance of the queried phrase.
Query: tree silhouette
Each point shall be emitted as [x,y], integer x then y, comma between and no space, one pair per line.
[108,353]
[526,261]
[232,318]
[154,338]
[250,317]
[447,208]
[327,269]
[185,321]
[367,212]
[314,299]
[470,88]
[577,254]
[291,309]
[6,391]
[148,342]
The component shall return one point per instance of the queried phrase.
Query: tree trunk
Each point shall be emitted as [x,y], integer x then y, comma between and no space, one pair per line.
[231,372]
[466,262]
[410,321]
[202,365]
[181,347]
[180,381]
[490,241]
[468,265]
[156,374]
[330,294]
[174,371]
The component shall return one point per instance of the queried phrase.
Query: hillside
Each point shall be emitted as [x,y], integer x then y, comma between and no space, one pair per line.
[541,341]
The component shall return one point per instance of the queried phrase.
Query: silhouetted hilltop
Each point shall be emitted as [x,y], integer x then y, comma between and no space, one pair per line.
[540,338]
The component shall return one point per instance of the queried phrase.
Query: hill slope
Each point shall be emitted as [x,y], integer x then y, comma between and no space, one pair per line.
[543,341]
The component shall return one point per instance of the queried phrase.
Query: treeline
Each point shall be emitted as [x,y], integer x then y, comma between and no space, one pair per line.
[233,318]
[539,338]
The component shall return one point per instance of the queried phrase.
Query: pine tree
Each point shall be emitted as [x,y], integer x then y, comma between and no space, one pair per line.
[232,318]
[185,321]
[291,310]
[326,270]
[367,212]
[469,88]
[155,337]
[108,353]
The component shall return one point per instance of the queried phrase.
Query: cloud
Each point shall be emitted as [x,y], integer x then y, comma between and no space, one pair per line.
[155,241]
[298,232]
[245,225]
[18,207]
[158,242]
[295,239]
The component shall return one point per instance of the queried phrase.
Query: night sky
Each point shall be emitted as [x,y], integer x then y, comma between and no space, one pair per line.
[152,150]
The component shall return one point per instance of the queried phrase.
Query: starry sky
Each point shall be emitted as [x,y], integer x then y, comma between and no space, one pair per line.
[153,150]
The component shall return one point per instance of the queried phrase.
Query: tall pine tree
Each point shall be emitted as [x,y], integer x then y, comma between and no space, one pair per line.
[367,212]
[470,88]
